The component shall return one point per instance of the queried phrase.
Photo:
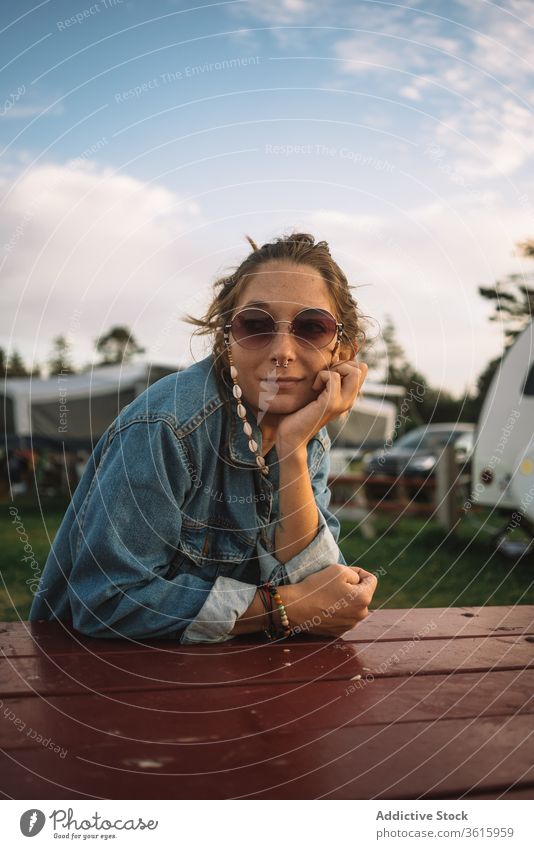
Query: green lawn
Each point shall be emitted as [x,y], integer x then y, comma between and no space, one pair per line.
[417,565]
[15,593]
[420,565]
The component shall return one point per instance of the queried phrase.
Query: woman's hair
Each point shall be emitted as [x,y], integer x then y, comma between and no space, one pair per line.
[298,248]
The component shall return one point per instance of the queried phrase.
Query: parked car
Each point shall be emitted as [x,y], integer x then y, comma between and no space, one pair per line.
[415,454]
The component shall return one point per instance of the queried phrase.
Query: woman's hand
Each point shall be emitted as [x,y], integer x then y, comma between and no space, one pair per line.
[330,602]
[337,388]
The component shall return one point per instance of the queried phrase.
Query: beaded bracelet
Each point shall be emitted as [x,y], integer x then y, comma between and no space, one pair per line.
[276,598]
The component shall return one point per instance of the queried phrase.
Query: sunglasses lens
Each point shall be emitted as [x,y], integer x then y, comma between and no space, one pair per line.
[316,327]
[252,328]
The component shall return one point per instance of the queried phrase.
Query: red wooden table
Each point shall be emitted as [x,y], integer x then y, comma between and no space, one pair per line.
[427,703]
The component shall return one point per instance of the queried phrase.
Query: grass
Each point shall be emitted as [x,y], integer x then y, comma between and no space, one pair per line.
[419,565]
[15,594]
[416,563]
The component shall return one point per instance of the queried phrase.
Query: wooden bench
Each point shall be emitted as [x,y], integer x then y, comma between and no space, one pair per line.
[424,703]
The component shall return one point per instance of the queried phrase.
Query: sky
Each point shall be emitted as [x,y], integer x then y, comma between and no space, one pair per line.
[140,142]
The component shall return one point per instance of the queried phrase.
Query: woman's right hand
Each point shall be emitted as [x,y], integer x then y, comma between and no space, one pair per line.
[330,602]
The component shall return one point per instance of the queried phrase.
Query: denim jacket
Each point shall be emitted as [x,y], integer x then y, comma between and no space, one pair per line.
[171,527]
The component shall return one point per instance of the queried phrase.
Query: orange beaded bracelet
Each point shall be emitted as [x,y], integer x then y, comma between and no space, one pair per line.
[275,595]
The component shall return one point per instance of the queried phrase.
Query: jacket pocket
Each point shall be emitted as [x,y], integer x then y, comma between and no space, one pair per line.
[181,564]
[208,552]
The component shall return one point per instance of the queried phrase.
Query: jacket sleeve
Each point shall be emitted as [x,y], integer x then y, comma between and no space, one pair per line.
[322,551]
[125,537]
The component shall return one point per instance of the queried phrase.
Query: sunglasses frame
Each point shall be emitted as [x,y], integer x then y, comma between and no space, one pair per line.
[300,340]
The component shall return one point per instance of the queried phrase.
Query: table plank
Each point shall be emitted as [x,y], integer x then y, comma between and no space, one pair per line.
[441,622]
[227,713]
[31,638]
[258,664]
[411,760]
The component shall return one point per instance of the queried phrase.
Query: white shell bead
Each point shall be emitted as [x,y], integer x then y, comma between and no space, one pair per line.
[233,371]
[241,411]
[260,461]
[253,445]
[247,428]
[237,391]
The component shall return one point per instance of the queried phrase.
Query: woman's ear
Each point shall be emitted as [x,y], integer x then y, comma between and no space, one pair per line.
[343,352]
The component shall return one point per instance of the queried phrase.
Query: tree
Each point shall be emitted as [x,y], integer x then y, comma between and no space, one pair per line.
[513,305]
[394,356]
[513,299]
[117,346]
[15,366]
[418,403]
[60,361]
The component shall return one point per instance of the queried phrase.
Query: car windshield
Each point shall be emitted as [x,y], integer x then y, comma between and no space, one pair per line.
[423,438]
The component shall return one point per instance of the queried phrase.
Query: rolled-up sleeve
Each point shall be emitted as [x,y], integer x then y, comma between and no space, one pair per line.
[226,602]
[322,551]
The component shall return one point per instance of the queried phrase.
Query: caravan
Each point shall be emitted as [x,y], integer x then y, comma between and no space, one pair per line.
[503,464]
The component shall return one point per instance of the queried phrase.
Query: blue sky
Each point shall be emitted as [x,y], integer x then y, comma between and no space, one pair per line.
[141,141]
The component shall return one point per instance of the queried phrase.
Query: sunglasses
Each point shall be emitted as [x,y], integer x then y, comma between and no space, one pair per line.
[255,328]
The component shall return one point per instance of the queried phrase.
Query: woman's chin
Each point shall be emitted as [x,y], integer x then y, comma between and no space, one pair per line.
[282,406]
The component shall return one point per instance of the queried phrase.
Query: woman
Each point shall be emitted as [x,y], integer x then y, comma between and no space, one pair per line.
[203,510]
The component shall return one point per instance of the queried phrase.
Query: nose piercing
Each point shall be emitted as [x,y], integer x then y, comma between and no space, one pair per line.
[284,364]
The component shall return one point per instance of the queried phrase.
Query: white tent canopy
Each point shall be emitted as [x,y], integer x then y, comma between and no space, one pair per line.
[74,407]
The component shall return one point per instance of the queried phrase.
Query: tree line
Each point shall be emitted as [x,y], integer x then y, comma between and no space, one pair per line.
[512,301]
[118,345]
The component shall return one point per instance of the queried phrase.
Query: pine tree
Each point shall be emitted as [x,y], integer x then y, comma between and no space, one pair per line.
[16,367]
[117,346]
[60,358]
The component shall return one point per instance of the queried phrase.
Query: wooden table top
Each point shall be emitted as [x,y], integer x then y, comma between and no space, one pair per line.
[425,703]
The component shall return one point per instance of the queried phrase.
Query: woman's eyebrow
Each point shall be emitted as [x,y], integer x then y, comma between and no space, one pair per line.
[266,304]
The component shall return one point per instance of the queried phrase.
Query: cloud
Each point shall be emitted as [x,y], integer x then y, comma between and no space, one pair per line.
[282,12]
[473,79]
[77,239]
[277,15]
[423,267]
[9,111]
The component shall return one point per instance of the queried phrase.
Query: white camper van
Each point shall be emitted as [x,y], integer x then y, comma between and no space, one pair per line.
[503,463]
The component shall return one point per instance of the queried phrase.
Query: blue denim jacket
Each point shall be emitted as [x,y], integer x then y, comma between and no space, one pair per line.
[171,527]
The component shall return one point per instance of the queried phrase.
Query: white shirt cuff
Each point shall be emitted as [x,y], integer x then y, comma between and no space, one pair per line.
[322,551]
[226,602]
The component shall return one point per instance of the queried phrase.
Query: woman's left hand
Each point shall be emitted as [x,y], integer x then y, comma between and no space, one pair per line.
[338,388]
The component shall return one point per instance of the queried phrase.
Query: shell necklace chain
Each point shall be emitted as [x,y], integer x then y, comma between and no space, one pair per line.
[242,413]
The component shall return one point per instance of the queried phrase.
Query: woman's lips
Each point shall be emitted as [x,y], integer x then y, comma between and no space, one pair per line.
[282,382]
[282,379]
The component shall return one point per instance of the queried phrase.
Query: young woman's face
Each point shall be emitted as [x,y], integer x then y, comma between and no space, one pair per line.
[283,289]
